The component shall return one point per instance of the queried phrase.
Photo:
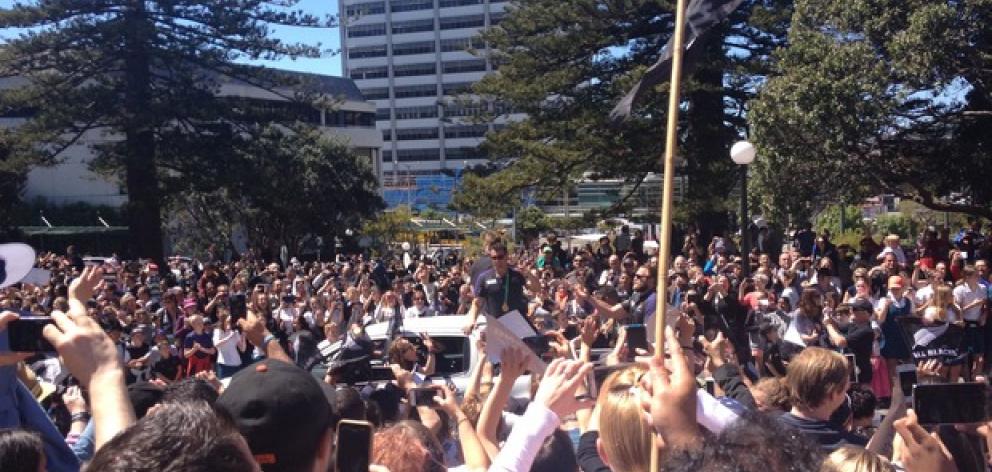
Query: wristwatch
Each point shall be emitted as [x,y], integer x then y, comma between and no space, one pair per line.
[265,341]
[83,416]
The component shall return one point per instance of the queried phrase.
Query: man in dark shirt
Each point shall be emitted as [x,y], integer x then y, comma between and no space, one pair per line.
[818,382]
[857,337]
[500,289]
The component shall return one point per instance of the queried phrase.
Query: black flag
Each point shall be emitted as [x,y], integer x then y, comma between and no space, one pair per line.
[702,15]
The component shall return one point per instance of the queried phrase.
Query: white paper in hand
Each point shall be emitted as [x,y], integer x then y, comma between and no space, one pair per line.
[517,325]
[499,338]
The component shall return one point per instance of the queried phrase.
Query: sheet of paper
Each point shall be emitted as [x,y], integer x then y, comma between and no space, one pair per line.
[499,338]
[517,325]
[37,276]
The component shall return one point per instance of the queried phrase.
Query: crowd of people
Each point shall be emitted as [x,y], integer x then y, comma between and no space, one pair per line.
[784,358]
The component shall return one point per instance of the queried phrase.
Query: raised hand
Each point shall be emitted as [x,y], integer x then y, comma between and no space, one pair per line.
[82,287]
[671,398]
[513,364]
[557,389]
[922,451]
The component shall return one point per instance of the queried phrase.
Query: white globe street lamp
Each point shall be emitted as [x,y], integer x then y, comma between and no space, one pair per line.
[743,154]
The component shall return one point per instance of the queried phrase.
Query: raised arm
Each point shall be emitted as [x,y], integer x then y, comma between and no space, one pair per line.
[513,363]
[91,357]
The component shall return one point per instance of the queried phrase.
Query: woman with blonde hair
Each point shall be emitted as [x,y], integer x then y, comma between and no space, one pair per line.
[855,459]
[625,438]
[948,310]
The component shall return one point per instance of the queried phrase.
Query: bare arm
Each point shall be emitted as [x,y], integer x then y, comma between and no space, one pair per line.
[253,328]
[472,389]
[513,364]
[91,357]
[476,457]
[604,309]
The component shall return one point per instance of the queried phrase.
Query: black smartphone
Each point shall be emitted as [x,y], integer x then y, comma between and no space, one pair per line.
[599,375]
[852,368]
[424,396]
[25,334]
[571,331]
[907,379]
[637,338]
[711,386]
[354,451]
[951,403]
[538,344]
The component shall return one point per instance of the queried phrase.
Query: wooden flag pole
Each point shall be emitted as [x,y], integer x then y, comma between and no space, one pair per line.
[665,238]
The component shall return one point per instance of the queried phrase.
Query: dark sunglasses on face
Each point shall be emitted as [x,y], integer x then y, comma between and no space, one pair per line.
[498,257]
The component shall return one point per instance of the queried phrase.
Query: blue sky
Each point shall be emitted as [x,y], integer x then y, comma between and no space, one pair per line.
[330,64]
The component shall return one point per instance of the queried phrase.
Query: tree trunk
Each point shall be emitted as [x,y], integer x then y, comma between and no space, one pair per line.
[144,208]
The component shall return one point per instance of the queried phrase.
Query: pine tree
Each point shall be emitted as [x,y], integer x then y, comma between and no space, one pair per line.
[565,63]
[146,72]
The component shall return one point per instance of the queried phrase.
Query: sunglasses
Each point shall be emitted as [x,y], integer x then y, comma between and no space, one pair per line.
[499,257]
[640,276]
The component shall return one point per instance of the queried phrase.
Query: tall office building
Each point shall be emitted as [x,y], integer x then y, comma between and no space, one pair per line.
[413,59]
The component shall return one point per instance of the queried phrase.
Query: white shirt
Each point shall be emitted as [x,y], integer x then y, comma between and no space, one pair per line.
[964,296]
[923,295]
[227,353]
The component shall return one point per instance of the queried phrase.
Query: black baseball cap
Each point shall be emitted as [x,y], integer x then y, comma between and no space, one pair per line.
[282,412]
[862,304]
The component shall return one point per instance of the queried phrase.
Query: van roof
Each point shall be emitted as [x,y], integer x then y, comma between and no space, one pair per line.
[433,325]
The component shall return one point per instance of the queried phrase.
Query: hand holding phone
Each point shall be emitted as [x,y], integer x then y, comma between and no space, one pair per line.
[637,338]
[25,334]
[424,396]
[951,403]
[354,446]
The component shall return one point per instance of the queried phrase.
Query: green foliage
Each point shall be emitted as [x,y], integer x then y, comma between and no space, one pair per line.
[565,63]
[830,219]
[531,222]
[289,186]
[388,226]
[147,72]
[904,226]
[880,96]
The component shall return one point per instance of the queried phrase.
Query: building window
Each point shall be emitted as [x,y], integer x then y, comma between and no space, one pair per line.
[361,9]
[413,26]
[410,5]
[361,31]
[382,114]
[456,22]
[496,18]
[416,134]
[406,49]
[410,91]
[349,119]
[464,109]
[454,67]
[409,70]
[406,155]
[459,3]
[466,131]
[387,135]
[370,73]
[462,44]
[463,153]
[413,113]
[369,51]
[457,88]
[378,93]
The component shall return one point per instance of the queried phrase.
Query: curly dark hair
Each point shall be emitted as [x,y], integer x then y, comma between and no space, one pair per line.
[754,443]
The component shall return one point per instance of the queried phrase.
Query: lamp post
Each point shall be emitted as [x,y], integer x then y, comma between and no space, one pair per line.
[743,153]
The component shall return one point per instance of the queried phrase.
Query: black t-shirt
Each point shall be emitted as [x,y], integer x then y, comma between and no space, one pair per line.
[169,368]
[498,292]
[137,352]
[484,264]
[859,342]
